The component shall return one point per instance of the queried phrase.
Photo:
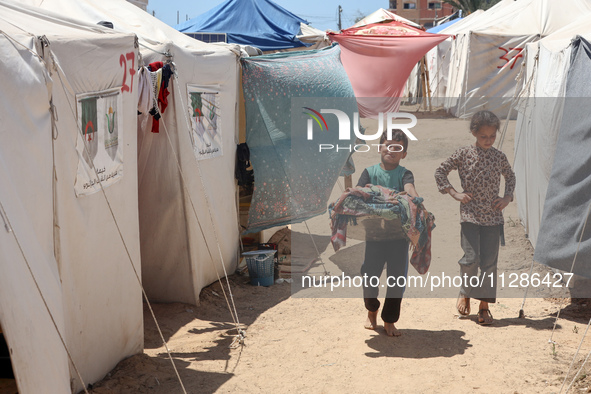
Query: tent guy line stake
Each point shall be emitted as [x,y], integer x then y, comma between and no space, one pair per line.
[43,299]
[60,71]
[326,273]
[232,307]
[521,312]
[234,317]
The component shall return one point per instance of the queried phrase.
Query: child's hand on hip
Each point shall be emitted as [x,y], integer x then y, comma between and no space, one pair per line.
[501,202]
[464,198]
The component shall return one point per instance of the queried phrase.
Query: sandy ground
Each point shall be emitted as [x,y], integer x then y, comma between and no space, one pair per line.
[316,343]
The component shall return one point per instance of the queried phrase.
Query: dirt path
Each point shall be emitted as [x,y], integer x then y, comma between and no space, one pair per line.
[300,344]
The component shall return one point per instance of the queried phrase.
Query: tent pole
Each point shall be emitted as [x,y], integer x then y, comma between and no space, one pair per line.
[423,83]
[427,83]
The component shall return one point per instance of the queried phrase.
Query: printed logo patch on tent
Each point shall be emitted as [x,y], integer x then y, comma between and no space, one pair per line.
[100,153]
[204,106]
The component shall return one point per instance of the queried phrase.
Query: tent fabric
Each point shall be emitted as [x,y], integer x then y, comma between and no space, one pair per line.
[379,65]
[439,28]
[289,187]
[37,355]
[178,245]
[382,15]
[74,249]
[438,61]
[259,23]
[566,209]
[539,119]
[487,54]
[316,38]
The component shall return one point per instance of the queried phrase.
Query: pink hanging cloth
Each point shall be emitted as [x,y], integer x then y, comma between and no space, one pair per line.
[379,58]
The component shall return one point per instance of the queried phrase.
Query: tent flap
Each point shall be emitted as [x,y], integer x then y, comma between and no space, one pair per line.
[566,209]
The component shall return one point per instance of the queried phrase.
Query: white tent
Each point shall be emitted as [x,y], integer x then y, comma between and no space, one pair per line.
[382,15]
[539,118]
[188,216]
[438,58]
[66,269]
[487,54]
[314,36]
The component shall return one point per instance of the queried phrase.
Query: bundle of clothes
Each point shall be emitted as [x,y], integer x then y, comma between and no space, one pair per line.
[378,201]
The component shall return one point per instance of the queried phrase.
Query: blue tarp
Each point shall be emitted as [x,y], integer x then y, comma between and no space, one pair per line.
[442,26]
[293,178]
[259,23]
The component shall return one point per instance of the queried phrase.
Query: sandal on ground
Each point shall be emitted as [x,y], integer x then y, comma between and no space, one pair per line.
[483,319]
[467,311]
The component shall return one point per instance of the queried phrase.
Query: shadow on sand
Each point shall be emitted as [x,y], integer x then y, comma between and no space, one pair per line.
[418,344]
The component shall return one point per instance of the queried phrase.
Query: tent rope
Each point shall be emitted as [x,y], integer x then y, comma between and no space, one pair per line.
[572,268]
[10,229]
[526,88]
[59,72]
[167,53]
[14,40]
[240,334]
[573,360]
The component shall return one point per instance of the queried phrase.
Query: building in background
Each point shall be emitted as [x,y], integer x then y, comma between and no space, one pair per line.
[143,4]
[423,12]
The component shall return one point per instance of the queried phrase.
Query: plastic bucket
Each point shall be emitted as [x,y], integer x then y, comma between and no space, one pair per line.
[260,265]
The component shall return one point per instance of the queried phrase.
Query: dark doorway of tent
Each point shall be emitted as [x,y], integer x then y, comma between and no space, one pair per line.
[7,381]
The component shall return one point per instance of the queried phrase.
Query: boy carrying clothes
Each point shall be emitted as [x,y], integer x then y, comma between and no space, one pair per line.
[393,253]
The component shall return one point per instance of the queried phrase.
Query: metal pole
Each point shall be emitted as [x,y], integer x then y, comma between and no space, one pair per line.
[340,11]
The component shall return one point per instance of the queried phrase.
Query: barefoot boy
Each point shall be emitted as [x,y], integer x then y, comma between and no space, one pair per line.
[480,167]
[394,253]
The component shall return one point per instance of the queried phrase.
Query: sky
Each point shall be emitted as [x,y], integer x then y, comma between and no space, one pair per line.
[322,14]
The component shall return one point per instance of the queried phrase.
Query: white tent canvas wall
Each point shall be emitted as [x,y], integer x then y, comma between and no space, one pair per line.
[81,263]
[487,56]
[188,210]
[540,110]
[438,58]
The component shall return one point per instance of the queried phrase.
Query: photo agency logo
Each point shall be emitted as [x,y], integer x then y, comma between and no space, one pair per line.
[392,120]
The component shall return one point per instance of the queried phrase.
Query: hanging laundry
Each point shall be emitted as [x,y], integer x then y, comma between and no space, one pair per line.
[145,91]
[162,73]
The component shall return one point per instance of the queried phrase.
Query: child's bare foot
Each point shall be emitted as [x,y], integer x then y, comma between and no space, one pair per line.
[372,320]
[463,305]
[391,330]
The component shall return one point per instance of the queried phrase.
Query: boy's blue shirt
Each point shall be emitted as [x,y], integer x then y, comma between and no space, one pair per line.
[391,179]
